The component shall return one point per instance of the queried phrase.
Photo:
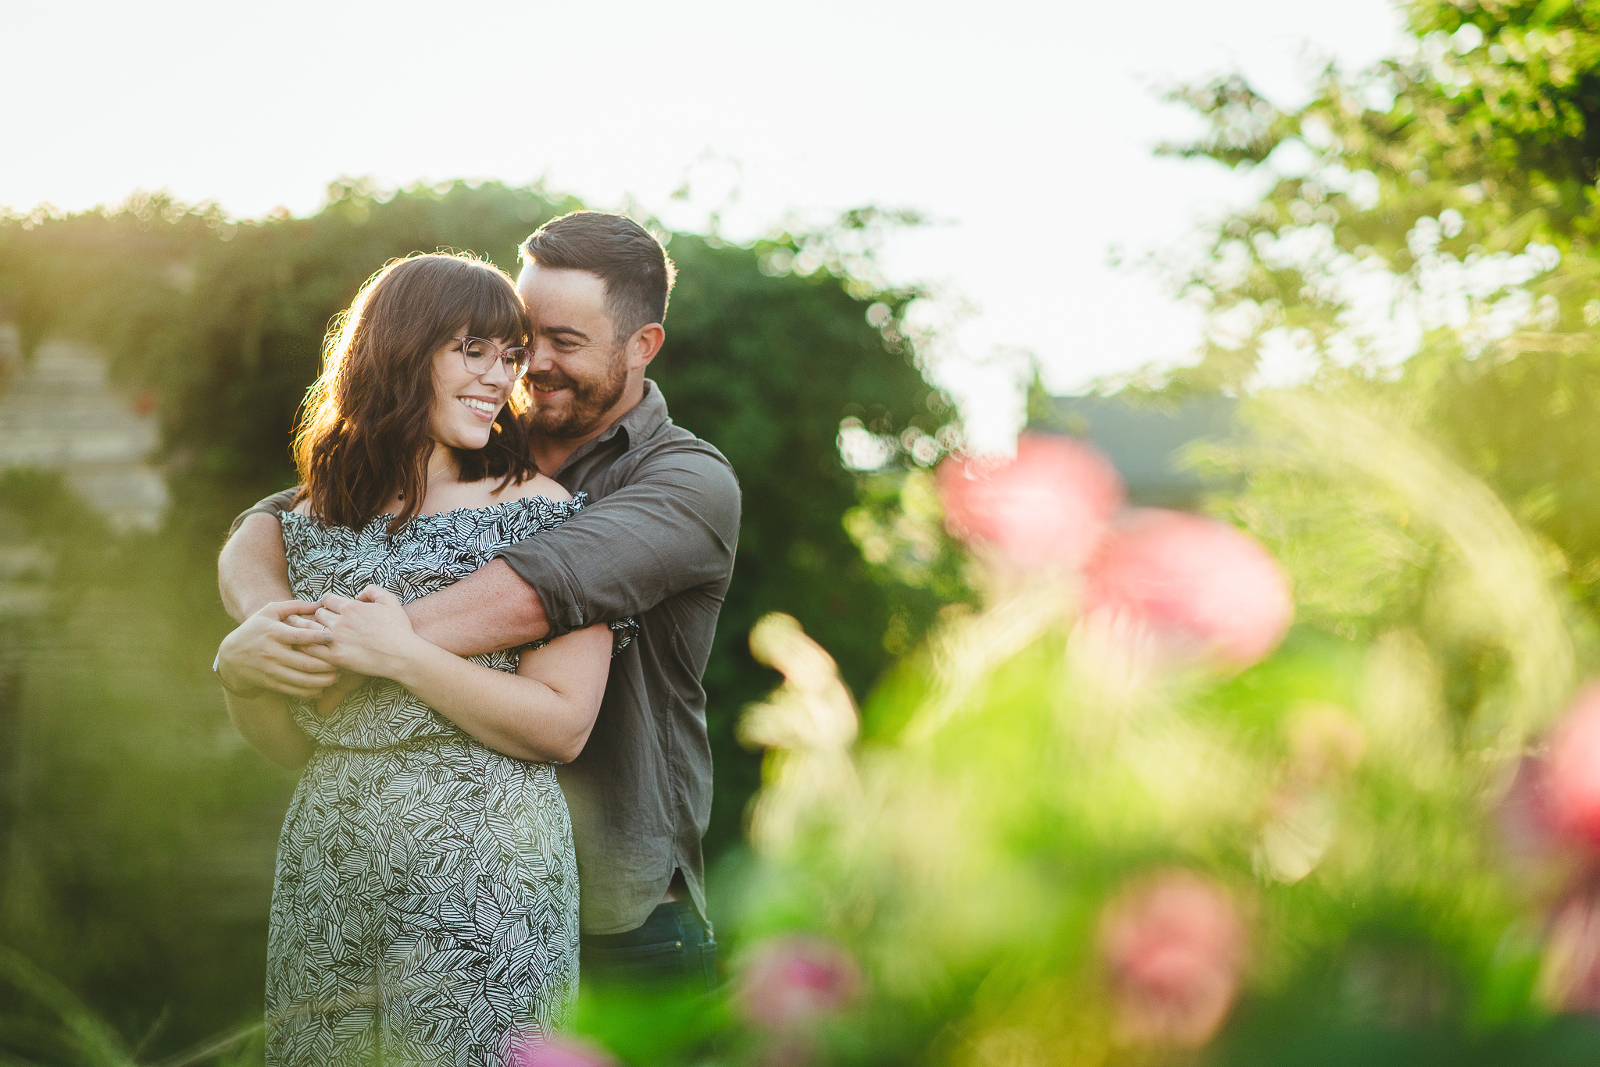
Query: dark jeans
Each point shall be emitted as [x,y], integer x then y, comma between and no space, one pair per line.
[674,948]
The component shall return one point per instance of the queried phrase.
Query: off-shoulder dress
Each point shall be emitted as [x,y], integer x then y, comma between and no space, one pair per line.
[425,904]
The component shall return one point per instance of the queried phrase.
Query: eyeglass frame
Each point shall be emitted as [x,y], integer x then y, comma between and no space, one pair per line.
[500,354]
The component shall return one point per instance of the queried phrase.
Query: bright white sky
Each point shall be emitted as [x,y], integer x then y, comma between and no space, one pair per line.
[1025,128]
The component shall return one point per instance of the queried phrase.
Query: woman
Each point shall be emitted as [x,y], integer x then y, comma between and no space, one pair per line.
[425,903]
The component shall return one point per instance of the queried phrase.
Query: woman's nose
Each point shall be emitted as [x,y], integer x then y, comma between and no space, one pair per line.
[497,373]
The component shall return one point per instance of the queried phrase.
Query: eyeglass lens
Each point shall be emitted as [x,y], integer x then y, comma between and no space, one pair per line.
[480,355]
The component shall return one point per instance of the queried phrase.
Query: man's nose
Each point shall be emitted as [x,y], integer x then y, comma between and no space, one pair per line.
[543,359]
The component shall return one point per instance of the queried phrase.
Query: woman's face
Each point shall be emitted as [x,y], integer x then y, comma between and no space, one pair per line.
[465,404]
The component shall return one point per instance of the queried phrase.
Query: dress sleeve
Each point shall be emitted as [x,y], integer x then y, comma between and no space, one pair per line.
[623,633]
[675,526]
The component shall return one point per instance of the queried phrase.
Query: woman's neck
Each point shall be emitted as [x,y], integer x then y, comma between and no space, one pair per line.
[442,470]
[442,464]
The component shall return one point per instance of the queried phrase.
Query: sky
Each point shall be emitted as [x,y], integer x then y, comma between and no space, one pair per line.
[1024,132]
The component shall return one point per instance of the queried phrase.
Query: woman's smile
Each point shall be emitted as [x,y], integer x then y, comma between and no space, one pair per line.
[484,408]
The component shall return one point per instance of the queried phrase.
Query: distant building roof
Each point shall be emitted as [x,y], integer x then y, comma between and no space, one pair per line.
[1146,443]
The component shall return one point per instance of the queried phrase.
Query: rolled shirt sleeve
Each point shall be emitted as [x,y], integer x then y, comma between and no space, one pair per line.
[274,505]
[672,527]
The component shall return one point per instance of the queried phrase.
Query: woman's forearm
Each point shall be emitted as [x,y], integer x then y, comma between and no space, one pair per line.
[519,715]
[269,727]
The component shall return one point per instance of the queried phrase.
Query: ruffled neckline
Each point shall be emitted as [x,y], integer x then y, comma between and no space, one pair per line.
[436,518]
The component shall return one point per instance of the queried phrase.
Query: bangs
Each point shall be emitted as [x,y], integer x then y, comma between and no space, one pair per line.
[491,309]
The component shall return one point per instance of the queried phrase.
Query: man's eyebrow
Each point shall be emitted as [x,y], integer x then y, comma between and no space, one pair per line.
[572,331]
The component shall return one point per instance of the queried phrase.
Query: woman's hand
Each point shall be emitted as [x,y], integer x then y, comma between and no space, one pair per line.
[265,653]
[369,635]
[347,681]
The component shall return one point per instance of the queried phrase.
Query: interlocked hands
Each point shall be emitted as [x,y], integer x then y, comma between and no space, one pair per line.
[321,650]
[369,634]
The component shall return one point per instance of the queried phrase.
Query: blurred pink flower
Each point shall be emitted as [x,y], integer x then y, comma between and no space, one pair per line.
[1174,946]
[1194,581]
[560,1052]
[796,979]
[1570,977]
[1572,772]
[1526,824]
[1049,505]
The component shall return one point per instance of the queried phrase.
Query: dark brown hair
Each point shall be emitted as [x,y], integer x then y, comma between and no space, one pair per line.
[637,272]
[363,431]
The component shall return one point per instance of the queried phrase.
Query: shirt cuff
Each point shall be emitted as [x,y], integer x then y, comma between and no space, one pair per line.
[556,588]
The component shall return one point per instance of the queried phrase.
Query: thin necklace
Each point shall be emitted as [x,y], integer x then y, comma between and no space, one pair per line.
[431,477]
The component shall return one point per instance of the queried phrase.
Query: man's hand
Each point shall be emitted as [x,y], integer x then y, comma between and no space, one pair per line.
[347,681]
[265,653]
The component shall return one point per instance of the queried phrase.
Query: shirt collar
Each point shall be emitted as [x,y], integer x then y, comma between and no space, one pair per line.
[641,421]
[638,423]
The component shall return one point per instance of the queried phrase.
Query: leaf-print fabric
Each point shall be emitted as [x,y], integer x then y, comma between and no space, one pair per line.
[425,904]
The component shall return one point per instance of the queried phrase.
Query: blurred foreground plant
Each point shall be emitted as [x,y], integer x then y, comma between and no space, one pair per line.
[1124,813]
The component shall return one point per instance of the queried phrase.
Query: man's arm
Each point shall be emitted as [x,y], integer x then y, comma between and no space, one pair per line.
[252,570]
[491,608]
[673,527]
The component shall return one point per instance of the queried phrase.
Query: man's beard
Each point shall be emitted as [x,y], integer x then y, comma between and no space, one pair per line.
[588,401]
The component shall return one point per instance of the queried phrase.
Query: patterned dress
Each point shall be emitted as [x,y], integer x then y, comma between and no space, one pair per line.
[425,904]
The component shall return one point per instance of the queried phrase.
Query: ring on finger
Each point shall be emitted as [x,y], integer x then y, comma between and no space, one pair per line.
[327,636]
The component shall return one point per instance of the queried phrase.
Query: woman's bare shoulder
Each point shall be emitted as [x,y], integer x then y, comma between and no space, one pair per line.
[538,485]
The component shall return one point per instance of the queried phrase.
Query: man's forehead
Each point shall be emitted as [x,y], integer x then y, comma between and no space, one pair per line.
[569,301]
[547,284]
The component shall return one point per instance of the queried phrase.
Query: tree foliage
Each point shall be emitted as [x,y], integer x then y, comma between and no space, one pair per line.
[1447,196]
[219,322]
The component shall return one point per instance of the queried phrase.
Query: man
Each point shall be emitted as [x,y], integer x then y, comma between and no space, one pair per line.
[656,542]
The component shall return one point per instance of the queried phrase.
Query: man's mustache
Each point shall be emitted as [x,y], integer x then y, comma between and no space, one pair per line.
[549,382]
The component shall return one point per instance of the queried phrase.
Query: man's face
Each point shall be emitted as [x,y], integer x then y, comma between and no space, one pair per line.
[579,370]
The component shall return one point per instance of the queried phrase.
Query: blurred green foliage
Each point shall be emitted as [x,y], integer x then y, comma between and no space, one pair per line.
[1452,191]
[141,831]
[1021,772]
[1439,521]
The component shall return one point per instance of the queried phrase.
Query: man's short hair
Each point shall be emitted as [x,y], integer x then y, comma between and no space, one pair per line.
[637,272]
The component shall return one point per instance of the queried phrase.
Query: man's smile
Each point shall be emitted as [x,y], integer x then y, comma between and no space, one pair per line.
[547,387]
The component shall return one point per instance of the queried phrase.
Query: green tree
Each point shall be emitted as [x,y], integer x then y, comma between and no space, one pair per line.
[1460,181]
[769,348]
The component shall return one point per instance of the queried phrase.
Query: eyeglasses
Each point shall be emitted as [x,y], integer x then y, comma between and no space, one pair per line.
[479,355]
